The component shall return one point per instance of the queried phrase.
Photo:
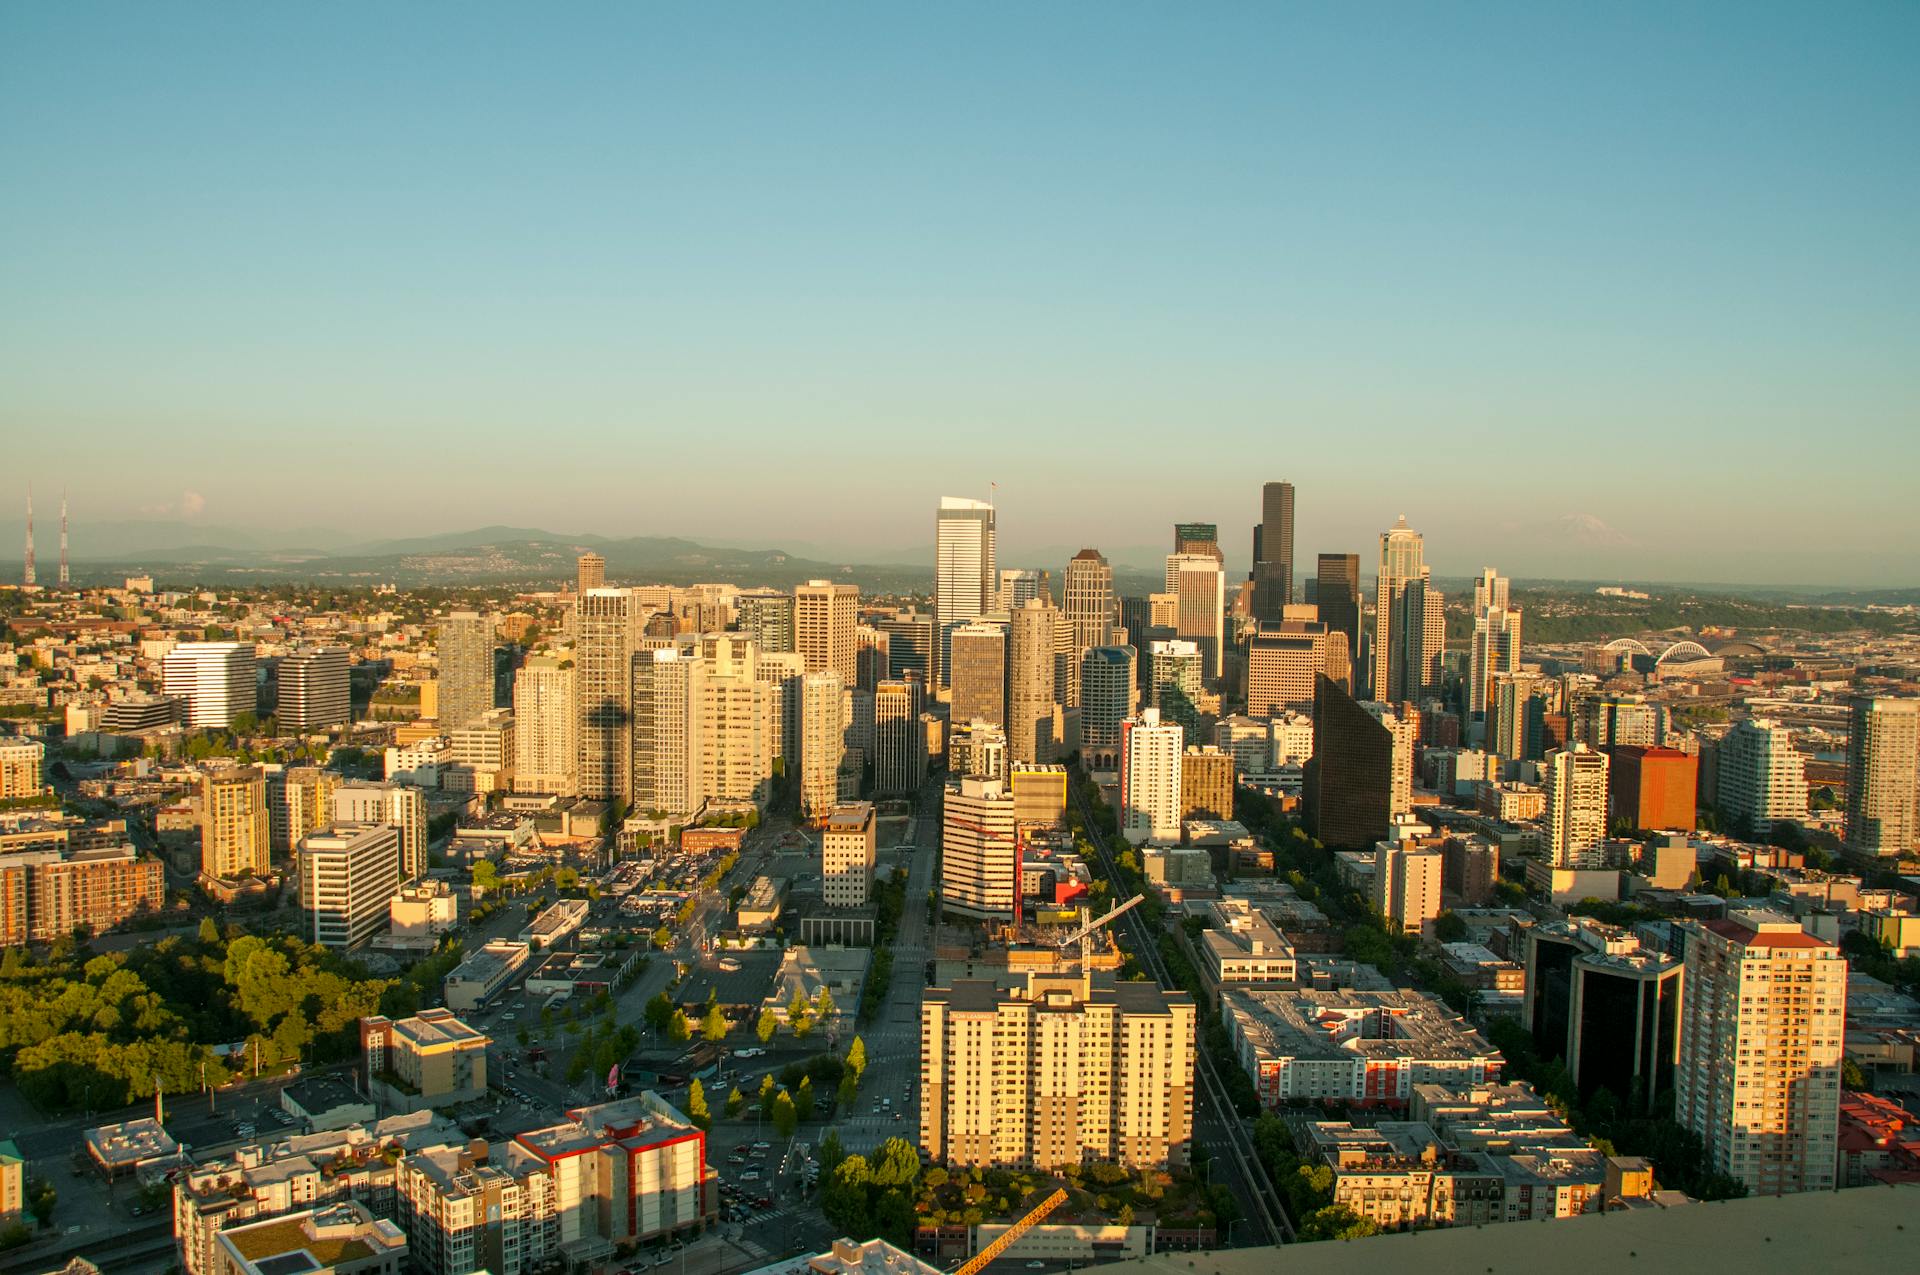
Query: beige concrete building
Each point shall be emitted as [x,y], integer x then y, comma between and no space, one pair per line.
[1576,806]
[826,617]
[235,828]
[399,806]
[299,800]
[1031,642]
[1763,1013]
[736,721]
[546,725]
[822,743]
[607,624]
[430,1060]
[1068,1069]
[979,856]
[1407,873]
[1039,794]
[48,893]
[349,873]
[1150,756]
[20,764]
[1883,776]
[1282,661]
[847,844]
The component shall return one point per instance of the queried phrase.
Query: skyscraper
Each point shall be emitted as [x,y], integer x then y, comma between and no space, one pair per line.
[314,690]
[1090,607]
[348,875]
[606,627]
[1030,682]
[396,805]
[1347,786]
[465,650]
[979,673]
[1496,640]
[909,644]
[1150,753]
[215,680]
[825,619]
[1883,758]
[1200,585]
[966,570]
[1337,594]
[665,722]
[822,742]
[546,725]
[1400,638]
[979,851]
[235,827]
[1106,700]
[1763,777]
[1197,537]
[766,615]
[899,740]
[847,855]
[1576,806]
[593,571]
[1283,659]
[1763,1009]
[1173,681]
[1518,726]
[1019,586]
[736,709]
[1273,554]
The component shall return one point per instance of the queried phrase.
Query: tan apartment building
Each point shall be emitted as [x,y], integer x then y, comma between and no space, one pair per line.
[430,1060]
[1039,794]
[235,827]
[1069,1069]
[847,842]
[826,620]
[20,766]
[1206,783]
[51,892]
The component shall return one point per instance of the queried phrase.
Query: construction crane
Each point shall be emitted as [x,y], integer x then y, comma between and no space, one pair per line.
[1084,935]
[981,1260]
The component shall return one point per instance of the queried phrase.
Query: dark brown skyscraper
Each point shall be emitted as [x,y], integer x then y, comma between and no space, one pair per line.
[1347,790]
[1273,554]
[1337,594]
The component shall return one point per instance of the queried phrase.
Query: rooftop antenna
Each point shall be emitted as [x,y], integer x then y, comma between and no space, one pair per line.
[26,572]
[63,539]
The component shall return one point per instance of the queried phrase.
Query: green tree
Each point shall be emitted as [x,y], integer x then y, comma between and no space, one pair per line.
[766,1026]
[714,1025]
[823,1006]
[680,1027]
[1449,928]
[209,932]
[736,1103]
[697,1106]
[848,1093]
[857,1058]
[803,1098]
[785,1118]
[486,877]
[767,1092]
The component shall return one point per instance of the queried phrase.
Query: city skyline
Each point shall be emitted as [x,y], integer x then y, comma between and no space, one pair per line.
[1514,244]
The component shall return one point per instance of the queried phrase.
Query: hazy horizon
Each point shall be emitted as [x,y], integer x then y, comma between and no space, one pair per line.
[1619,292]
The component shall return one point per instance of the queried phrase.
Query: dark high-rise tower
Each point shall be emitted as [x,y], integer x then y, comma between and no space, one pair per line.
[1273,554]
[1347,788]
[1336,590]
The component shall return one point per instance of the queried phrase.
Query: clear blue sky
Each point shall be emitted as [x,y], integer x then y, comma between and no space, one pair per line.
[416,267]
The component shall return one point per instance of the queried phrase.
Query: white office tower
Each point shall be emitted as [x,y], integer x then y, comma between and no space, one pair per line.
[315,690]
[546,725]
[1496,640]
[965,570]
[822,743]
[1199,584]
[1763,777]
[465,651]
[979,850]
[1576,806]
[397,806]
[782,671]
[348,875]
[606,630]
[666,750]
[1405,736]
[215,681]
[1106,700]
[1883,773]
[1019,586]
[1762,1020]
[1150,779]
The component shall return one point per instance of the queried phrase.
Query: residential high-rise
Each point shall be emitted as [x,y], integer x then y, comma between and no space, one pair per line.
[546,725]
[1273,554]
[1405,730]
[965,568]
[1283,660]
[847,855]
[348,875]
[1150,779]
[1174,670]
[235,828]
[910,636]
[782,671]
[1517,731]
[766,616]
[592,571]
[1106,700]
[22,768]
[899,738]
[668,748]
[607,624]
[48,892]
[1089,598]
[299,800]
[1199,583]
[977,672]
[314,690]
[466,667]
[1206,783]
[825,617]
[977,749]
[1406,645]
[216,681]
[822,742]
[400,807]
[1030,682]
[1347,785]
[1763,1013]
[1763,777]
[1337,595]
[1883,776]
[1071,1069]
[1406,884]
[979,850]
[736,710]
[1576,817]
[1496,640]
[1653,788]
